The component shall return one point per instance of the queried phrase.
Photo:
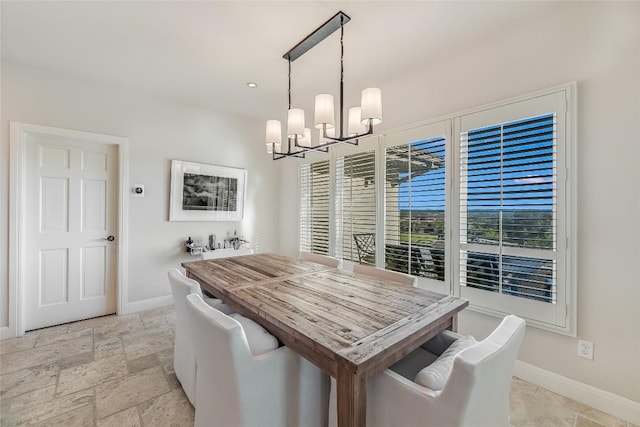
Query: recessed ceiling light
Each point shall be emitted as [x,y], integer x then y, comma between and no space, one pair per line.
[252,84]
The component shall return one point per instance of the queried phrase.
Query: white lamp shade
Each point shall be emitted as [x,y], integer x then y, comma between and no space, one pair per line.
[295,123]
[274,132]
[270,148]
[306,141]
[355,124]
[371,104]
[324,111]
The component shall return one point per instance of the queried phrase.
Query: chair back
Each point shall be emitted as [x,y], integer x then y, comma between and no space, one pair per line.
[184,357]
[366,245]
[223,346]
[387,275]
[234,388]
[321,259]
[478,387]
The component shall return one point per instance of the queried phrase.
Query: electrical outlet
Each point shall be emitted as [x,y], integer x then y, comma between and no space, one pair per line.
[585,349]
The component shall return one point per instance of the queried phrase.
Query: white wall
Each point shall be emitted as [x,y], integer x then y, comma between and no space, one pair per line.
[598,45]
[158,131]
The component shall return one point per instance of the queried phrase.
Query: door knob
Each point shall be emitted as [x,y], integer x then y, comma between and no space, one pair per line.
[109,238]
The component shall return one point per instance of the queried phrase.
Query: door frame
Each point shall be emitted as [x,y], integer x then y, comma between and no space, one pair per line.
[17,205]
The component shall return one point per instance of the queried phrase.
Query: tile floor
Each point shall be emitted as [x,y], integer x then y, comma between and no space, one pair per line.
[118,371]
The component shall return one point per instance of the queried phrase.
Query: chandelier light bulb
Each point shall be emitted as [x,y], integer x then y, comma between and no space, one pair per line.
[295,123]
[324,111]
[371,104]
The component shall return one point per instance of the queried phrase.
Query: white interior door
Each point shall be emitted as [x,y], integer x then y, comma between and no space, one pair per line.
[71,210]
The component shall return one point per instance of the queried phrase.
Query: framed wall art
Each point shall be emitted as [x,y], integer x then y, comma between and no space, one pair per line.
[201,192]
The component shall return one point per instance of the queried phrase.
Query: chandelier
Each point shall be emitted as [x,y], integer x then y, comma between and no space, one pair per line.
[361,119]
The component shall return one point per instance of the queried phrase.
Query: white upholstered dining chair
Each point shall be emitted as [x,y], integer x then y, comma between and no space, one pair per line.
[321,259]
[470,385]
[241,387]
[380,273]
[184,358]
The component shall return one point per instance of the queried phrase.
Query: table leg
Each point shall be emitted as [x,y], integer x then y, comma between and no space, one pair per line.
[352,399]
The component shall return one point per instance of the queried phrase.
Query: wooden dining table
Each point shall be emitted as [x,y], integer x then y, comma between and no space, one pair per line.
[350,325]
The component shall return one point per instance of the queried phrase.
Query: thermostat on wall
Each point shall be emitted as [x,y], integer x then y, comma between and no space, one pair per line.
[138,190]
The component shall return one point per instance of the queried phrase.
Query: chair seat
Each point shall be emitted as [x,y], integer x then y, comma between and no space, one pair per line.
[413,363]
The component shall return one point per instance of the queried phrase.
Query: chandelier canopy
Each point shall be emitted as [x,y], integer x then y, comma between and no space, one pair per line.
[360,121]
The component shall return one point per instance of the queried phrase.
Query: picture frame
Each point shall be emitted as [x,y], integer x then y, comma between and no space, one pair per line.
[202,192]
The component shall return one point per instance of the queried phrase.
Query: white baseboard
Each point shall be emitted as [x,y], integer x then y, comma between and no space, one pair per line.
[602,400]
[147,304]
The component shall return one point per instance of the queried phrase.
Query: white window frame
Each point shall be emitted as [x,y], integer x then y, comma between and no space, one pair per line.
[424,131]
[561,316]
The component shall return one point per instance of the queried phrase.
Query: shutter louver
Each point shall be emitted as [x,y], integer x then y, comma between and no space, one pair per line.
[314,207]
[508,207]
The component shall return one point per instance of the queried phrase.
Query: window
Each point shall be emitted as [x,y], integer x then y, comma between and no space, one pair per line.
[513,210]
[415,208]
[508,210]
[356,207]
[480,205]
[314,207]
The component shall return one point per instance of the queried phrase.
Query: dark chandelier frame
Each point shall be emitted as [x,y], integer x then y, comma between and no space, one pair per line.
[322,32]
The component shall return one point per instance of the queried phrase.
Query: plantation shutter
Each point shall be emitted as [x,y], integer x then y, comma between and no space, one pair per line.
[415,200]
[508,208]
[314,207]
[355,204]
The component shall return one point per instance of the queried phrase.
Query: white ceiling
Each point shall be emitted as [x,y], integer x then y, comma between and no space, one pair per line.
[203,53]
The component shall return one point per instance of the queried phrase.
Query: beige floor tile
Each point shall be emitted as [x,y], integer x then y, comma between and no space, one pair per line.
[171,409]
[31,398]
[45,355]
[143,363]
[107,347]
[91,374]
[144,343]
[127,418]
[155,323]
[171,319]
[166,360]
[54,330]
[172,379]
[50,339]
[120,328]
[26,380]
[585,422]
[17,344]
[81,417]
[122,393]
[35,413]
[156,312]
[538,409]
[586,411]
[75,360]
